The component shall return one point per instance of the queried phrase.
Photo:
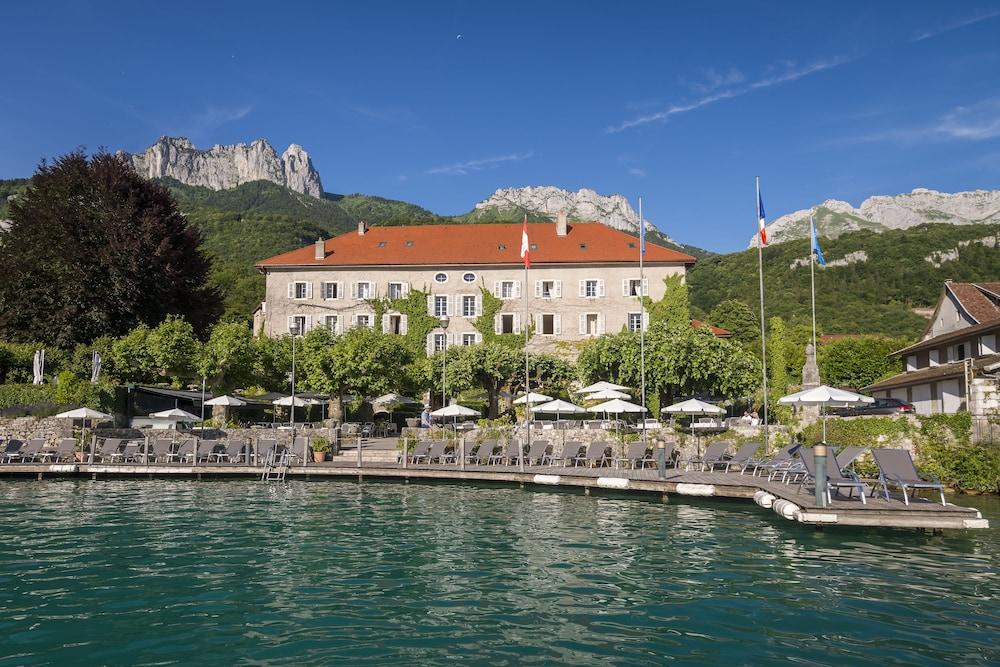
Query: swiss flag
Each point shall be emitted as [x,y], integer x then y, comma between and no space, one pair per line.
[525,246]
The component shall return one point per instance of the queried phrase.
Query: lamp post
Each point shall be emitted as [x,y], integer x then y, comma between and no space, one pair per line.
[444,321]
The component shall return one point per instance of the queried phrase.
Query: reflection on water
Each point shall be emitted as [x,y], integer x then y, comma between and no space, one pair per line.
[127,572]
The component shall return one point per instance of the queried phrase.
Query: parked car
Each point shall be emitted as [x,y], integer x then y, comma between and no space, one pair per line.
[881,406]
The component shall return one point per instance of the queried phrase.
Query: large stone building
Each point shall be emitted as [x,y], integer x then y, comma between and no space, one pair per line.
[584,280]
[955,366]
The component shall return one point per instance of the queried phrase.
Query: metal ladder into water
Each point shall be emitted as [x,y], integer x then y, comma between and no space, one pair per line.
[275,467]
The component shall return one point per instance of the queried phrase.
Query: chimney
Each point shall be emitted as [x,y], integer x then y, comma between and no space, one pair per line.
[561,229]
[362,228]
[319,252]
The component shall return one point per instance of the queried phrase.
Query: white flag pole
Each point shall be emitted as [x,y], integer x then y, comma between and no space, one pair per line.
[525,256]
[812,275]
[642,320]
[763,327]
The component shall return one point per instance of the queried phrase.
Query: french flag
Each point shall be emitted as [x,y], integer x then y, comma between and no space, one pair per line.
[761,224]
[525,246]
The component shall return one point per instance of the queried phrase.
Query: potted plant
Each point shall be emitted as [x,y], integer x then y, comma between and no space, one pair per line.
[320,448]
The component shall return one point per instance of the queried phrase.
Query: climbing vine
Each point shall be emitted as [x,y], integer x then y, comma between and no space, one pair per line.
[419,322]
[484,324]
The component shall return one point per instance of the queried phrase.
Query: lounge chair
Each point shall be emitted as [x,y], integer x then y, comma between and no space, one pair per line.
[425,449]
[714,455]
[572,452]
[835,478]
[439,453]
[743,456]
[299,446]
[597,454]
[777,463]
[515,452]
[540,452]
[474,449]
[485,452]
[180,452]
[267,451]
[419,451]
[111,449]
[63,450]
[635,456]
[848,455]
[896,468]
[234,452]
[11,451]
[210,450]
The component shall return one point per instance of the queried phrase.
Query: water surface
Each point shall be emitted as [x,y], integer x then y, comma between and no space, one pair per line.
[240,572]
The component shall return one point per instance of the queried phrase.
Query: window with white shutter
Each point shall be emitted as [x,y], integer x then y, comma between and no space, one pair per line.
[330,290]
[600,287]
[517,322]
[309,290]
[558,289]
[558,325]
[299,290]
[469,305]
[517,289]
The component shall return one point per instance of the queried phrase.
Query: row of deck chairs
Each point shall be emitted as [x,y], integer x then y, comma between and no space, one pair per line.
[541,452]
[193,450]
[36,451]
[896,469]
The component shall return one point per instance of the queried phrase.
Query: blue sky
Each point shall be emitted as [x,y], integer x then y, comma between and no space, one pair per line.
[441,103]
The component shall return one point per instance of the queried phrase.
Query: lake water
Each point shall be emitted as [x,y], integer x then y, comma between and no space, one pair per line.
[313,573]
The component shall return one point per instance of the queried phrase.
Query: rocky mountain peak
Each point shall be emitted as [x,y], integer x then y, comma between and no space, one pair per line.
[223,167]
[882,212]
[584,204]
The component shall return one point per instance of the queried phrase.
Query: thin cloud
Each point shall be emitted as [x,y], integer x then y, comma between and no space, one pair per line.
[637,171]
[212,116]
[962,23]
[389,115]
[713,79]
[471,166]
[789,73]
[974,122]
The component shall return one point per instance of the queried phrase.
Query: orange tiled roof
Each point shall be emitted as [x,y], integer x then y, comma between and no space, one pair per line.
[585,243]
[719,332]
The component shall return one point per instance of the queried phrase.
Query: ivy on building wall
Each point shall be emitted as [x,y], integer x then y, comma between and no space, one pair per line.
[419,322]
[484,324]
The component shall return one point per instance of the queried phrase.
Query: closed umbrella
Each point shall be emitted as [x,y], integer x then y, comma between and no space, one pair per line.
[532,397]
[694,408]
[825,397]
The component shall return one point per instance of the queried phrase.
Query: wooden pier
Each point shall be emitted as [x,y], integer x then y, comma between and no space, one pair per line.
[786,500]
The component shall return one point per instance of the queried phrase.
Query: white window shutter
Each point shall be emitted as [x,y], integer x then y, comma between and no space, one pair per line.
[452,304]
[309,322]
[583,288]
[517,289]
[450,340]
[496,288]
[291,290]
[557,289]
[340,290]
[309,290]
[583,323]
[538,289]
[403,326]
[430,344]
[479,305]
[479,337]
[291,322]
[625,290]
[600,287]
[430,304]
[600,323]
[497,323]
[557,324]
[645,286]
[406,289]
[517,323]
[645,321]
[354,290]
[385,323]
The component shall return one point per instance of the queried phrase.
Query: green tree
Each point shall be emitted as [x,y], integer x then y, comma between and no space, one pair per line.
[174,348]
[94,249]
[226,359]
[737,317]
[674,308]
[488,366]
[777,355]
[858,361]
[133,357]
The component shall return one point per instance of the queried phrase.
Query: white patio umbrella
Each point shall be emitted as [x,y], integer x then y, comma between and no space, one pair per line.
[455,410]
[393,399]
[599,386]
[694,408]
[227,401]
[617,406]
[86,414]
[176,414]
[606,395]
[288,401]
[825,397]
[559,407]
[532,397]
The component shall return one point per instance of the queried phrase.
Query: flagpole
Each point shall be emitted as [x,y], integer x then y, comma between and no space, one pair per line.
[763,334]
[812,283]
[642,320]
[527,319]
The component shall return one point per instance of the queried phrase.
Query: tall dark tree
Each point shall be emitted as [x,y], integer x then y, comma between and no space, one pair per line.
[94,250]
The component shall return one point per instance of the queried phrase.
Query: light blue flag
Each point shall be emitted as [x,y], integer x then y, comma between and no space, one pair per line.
[815,242]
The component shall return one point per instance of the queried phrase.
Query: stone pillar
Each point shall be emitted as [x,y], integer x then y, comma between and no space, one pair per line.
[810,379]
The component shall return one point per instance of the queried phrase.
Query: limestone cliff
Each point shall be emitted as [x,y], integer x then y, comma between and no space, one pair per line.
[223,167]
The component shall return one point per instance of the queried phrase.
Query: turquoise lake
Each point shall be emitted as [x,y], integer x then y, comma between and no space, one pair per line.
[313,573]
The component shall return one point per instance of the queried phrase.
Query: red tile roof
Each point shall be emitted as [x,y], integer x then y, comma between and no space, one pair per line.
[586,243]
[719,332]
[974,300]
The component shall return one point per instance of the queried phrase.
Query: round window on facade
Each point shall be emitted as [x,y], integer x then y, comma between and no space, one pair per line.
[441,277]
[469,277]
